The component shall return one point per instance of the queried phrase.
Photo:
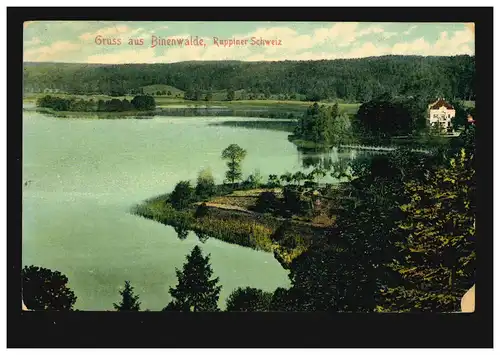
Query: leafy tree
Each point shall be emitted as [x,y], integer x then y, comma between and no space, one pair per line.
[341,130]
[439,262]
[182,196]
[205,186]
[196,291]
[129,302]
[44,289]
[461,113]
[248,299]
[323,124]
[55,103]
[417,110]
[234,154]
[384,117]
[254,180]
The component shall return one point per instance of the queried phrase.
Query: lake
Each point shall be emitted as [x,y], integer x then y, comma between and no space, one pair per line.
[84,176]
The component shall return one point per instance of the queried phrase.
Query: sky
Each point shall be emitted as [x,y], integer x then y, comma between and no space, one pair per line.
[75,41]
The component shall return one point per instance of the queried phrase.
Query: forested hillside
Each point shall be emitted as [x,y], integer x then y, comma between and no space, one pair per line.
[352,80]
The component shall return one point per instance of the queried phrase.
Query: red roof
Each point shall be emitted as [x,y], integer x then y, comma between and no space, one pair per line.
[441,102]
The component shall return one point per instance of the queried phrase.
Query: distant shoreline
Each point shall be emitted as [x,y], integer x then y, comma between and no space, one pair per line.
[279,109]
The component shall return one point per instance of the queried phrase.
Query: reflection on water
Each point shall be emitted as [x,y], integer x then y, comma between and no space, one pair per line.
[330,159]
[285,125]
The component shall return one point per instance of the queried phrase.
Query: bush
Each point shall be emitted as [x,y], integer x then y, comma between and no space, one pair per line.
[205,186]
[267,202]
[144,102]
[202,211]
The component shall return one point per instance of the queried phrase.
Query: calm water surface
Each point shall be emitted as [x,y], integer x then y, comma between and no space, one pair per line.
[84,175]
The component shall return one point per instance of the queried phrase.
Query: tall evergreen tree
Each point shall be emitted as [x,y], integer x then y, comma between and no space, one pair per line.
[182,196]
[438,267]
[196,291]
[130,301]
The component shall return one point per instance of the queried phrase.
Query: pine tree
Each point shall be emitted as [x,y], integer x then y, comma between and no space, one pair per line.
[129,302]
[438,266]
[195,291]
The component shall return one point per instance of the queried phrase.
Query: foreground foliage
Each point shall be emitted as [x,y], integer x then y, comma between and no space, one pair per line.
[439,250]
[130,301]
[249,299]
[44,289]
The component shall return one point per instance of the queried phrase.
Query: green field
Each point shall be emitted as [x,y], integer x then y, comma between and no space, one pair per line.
[153,90]
[274,105]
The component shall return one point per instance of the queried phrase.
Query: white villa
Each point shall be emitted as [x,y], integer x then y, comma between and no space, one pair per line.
[441,113]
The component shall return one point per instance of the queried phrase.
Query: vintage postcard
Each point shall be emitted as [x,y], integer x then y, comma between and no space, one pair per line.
[249,166]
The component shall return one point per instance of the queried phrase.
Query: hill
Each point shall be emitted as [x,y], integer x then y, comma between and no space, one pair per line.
[350,80]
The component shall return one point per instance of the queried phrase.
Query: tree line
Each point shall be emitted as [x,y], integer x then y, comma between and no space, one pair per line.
[351,80]
[139,103]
